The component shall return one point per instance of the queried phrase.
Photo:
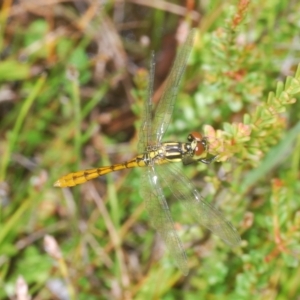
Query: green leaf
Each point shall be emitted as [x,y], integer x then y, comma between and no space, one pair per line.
[11,70]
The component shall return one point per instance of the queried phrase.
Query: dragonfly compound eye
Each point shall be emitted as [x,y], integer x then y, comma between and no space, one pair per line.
[200,148]
[195,136]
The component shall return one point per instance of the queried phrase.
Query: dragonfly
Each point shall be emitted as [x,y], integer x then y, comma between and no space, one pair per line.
[160,175]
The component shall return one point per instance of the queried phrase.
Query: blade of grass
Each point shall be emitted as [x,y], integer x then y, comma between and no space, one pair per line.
[120,270]
[73,77]
[13,135]
[12,222]
[112,194]
[4,13]
[95,100]
[272,159]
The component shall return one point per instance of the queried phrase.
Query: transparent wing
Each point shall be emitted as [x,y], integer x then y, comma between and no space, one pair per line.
[204,213]
[145,130]
[160,216]
[164,110]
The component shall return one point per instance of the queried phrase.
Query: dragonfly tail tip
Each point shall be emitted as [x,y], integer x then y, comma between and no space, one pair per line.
[57,183]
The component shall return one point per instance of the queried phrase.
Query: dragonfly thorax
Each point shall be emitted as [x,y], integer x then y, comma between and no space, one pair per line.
[195,150]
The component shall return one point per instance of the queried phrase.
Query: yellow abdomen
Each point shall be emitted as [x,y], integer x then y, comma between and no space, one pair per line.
[85,175]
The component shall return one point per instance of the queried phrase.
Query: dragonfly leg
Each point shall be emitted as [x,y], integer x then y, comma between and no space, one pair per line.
[208,160]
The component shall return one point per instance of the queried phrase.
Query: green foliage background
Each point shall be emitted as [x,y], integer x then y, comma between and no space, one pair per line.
[72,84]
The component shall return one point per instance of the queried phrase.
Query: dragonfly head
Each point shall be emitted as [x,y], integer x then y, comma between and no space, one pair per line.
[198,144]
